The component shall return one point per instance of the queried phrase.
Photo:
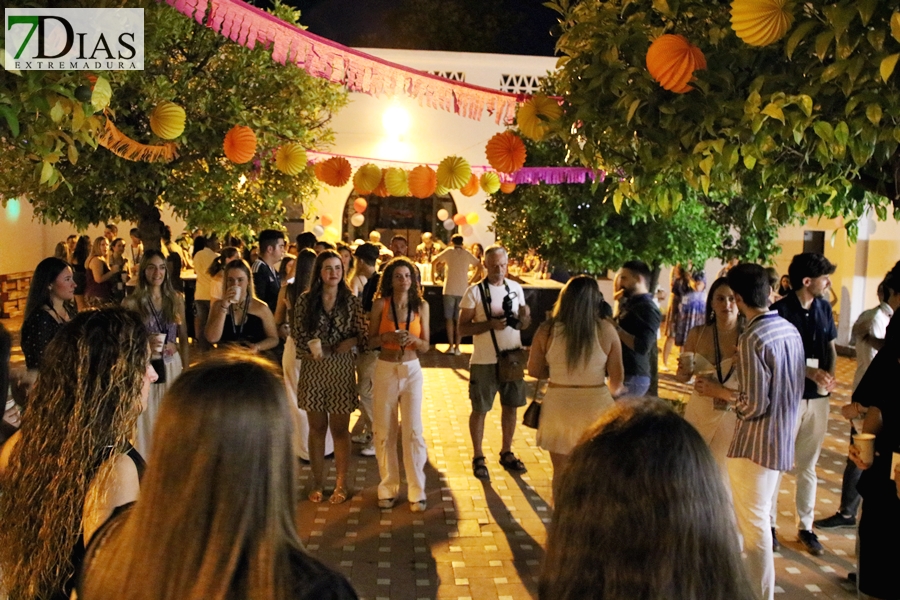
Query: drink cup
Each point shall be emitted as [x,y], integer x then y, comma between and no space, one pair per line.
[822,391]
[866,444]
[315,347]
[157,343]
[237,294]
[686,361]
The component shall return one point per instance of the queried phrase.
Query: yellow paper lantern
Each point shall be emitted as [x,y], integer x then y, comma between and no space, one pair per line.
[441,190]
[396,182]
[471,188]
[334,172]
[506,152]
[290,158]
[422,181]
[507,187]
[490,183]
[240,144]
[672,60]
[472,218]
[761,22]
[167,120]
[367,178]
[381,189]
[453,172]
[534,116]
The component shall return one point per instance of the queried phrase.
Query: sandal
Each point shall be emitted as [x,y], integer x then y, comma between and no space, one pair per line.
[316,496]
[479,469]
[509,462]
[339,495]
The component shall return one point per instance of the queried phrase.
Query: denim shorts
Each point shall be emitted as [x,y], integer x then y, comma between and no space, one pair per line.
[451,307]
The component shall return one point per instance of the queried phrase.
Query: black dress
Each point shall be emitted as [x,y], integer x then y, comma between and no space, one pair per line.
[252,332]
[38,329]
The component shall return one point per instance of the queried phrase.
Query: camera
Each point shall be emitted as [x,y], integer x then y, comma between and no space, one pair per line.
[512,319]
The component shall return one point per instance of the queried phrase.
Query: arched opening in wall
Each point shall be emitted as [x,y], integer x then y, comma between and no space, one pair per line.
[392,215]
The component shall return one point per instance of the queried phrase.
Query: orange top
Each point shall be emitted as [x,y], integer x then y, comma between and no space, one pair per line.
[387,324]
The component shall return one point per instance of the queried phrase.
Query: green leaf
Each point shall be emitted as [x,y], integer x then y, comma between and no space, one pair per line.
[617,200]
[887,66]
[895,26]
[73,154]
[806,104]
[834,70]
[824,130]
[56,113]
[797,36]
[749,161]
[632,109]
[706,165]
[11,119]
[873,113]
[101,95]
[774,111]
[823,41]
[46,172]
[866,8]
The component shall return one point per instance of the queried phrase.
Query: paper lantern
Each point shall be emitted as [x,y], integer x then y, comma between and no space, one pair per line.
[290,158]
[443,215]
[761,22]
[422,181]
[459,219]
[381,190]
[331,234]
[506,152]
[318,230]
[507,187]
[441,190]
[357,220]
[472,218]
[453,172]
[360,205]
[395,180]
[327,220]
[535,114]
[366,179]
[167,120]
[449,224]
[240,144]
[471,188]
[334,172]
[490,182]
[467,230]
[672,61]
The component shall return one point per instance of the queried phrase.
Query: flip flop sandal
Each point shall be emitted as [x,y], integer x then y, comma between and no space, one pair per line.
[509,462]
[316,496]
[338,496]
[479,469]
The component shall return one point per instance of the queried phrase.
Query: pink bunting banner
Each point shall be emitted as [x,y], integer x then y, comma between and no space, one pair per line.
[357,71]
[525,175]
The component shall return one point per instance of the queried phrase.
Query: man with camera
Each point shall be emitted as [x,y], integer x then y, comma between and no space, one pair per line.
[493,312]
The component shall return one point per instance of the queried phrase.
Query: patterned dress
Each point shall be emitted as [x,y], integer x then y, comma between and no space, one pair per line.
[691,313]
[328,385]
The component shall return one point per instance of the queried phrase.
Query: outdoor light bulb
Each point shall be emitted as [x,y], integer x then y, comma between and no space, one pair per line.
[396,120]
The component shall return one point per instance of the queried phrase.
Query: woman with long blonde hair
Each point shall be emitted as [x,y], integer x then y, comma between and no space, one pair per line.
[100,276]
[162,309]
[71,464]
[216,518]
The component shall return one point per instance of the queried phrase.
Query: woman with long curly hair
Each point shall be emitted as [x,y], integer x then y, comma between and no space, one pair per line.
[642,513]
[71,464]
[331,317]
[399,325]
[162,309]
[227,529]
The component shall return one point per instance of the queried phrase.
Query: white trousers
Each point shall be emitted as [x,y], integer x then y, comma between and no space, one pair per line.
[751,488]
[399,385]
[365,371]
[291,366]
[812,424]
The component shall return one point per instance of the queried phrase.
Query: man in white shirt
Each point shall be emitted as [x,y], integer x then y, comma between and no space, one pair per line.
[494,331]
[203,260]
[456,280]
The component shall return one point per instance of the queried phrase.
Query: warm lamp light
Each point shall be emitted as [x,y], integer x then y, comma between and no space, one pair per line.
[396,120]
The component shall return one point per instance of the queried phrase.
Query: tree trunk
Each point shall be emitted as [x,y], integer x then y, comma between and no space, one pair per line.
[150,226]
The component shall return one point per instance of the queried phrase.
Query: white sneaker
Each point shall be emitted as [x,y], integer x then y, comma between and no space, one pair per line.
[362,438]
[368,450]
[386,503]
[457,352]
[418,507]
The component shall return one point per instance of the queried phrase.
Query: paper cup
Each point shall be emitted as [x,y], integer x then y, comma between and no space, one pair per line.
[822,391]
[866,444]
[157,343]
[315,347]
[237,294]
[686,361]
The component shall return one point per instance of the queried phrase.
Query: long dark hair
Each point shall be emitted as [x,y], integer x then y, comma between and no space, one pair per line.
[303,271]
[315,308]
[228,254]
[44,275]
[710,311]
[82,250]
[578,311]
[386,288]
[642,512]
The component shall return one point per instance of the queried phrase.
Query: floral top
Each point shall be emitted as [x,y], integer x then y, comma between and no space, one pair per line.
[344,322]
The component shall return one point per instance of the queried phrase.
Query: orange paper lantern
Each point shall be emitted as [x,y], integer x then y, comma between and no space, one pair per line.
[507,187]
[240,144]
[422,181]
[334,172]
[534,116]
[505,152]
[459,219]
[360,205]
[672,61]
[326,220]
[471,188]
[381,191]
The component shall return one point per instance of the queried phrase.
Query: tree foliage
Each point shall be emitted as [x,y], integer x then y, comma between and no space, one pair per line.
[808,125]
[218,83]
[575,226]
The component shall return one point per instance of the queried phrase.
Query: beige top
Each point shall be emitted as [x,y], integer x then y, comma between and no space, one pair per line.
[591,374]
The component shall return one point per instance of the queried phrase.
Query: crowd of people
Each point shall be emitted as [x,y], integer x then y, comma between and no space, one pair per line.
[310,332]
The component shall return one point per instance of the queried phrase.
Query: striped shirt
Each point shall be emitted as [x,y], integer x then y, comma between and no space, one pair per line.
[771,372]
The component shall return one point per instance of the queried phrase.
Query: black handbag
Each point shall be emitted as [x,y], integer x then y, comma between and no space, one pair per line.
[532,416]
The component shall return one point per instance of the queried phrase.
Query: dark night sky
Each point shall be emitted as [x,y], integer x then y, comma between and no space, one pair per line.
[523,25]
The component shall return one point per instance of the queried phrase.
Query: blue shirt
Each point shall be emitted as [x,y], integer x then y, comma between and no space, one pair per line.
[817,329]
[771,371]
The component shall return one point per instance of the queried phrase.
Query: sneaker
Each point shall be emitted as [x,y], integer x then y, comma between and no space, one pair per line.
[419,506]
[776,545]
[456,352]
[834,521]
[811,542]
[363,438]
[386,503]
[368,450]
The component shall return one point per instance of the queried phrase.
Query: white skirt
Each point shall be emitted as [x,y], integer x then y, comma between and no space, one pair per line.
[143,434]
[567,413]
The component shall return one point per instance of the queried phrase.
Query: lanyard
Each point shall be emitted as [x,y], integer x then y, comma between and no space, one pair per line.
[394,314]
[157,318]
[244,318]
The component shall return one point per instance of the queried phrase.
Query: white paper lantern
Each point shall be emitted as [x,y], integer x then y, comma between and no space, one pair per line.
[318,230]
[357,220]
[467,230]
[449,224]
[443,215]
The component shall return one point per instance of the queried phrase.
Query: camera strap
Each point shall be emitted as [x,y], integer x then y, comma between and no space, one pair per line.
[486,301]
